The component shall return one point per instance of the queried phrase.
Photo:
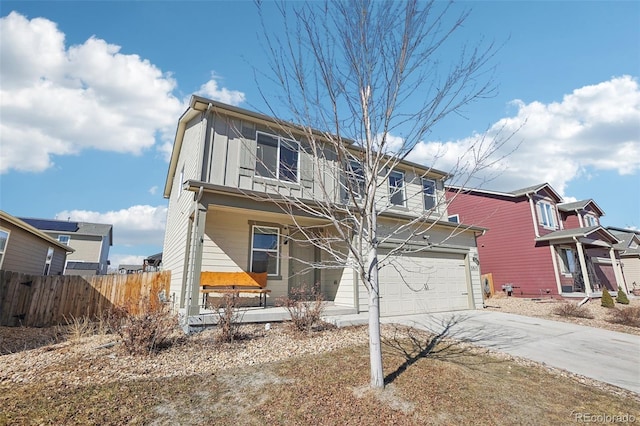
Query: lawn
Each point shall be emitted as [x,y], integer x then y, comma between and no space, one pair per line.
[446,384]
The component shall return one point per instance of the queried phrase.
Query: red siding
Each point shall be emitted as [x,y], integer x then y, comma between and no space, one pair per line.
[571,220]
[508,249]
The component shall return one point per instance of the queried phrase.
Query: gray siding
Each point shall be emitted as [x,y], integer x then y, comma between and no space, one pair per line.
[27,253]
[180,206]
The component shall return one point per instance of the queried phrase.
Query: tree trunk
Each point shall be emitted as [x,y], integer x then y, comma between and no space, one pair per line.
[375,345]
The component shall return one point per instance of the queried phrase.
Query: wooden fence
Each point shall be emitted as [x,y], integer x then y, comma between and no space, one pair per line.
[41,301]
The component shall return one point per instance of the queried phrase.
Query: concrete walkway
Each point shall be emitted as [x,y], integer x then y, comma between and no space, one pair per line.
[607,356]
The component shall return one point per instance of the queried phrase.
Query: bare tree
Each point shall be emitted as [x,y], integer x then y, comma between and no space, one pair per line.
[368,75]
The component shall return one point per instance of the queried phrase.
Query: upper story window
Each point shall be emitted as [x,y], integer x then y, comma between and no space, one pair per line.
[590,220]
[355,178]
[277,158]
[454,218]
[429,192]
[64,239]
[4,237]
[547,215]
[396,188]
[265,250]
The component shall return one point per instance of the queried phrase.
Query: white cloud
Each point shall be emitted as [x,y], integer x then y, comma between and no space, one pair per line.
[211,90]
[153,190]
[594,128]
[58,100]
[136,225]
[124,259]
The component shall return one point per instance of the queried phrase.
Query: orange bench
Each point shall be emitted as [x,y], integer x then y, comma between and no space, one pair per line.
[234,283]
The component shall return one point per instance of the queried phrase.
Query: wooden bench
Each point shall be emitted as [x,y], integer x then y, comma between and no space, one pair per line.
[234,283]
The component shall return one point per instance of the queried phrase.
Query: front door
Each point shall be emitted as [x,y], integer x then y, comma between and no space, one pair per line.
[302,274]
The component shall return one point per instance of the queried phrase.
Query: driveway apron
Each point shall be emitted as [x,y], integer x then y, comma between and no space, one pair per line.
[607,356]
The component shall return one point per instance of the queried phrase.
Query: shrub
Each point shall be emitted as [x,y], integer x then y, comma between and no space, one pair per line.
[145,330]
[229,319]
[572,310]
[626,316]
[622,297]
[305,306]
[607,300]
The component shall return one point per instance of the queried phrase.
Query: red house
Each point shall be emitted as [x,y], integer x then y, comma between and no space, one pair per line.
[536,245]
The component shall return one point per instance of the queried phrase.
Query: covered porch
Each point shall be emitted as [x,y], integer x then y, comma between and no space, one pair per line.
[585,261]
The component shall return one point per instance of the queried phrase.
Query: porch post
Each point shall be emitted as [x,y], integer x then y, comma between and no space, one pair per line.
[617,272]
[193,295]
[583,268]
[556,273]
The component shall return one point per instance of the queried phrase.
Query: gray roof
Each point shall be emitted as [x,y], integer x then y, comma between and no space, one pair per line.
[579,205]
[70,227]
[83,266]
[626,237]
[130,267]
[533,189]
[578,232]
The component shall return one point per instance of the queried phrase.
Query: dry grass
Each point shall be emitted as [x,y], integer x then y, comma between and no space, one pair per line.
[572,310]
[441,385]
[626,316]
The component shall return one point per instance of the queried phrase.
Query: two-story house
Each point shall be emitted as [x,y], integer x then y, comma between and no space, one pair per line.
[28,250]
[225,159]
[91,242]
[537,246]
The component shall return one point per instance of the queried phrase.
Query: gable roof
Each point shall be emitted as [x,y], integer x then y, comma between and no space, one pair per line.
[511,194]
[580,205]
[627,237]
[33,230]
[65,226]
[569,234]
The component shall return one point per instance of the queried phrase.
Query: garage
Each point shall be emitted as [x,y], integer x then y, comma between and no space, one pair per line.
[418,283]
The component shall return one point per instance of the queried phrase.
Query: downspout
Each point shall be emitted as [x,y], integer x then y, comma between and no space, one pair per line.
[533,215]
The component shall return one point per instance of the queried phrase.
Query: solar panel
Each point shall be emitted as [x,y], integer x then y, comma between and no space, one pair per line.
[51,225]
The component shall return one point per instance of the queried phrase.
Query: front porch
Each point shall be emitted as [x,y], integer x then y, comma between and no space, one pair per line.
[254,314]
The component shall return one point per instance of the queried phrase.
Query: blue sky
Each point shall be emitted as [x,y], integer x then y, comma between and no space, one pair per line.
[91,93]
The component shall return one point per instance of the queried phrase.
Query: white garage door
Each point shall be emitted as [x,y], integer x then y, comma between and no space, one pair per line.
[423,283]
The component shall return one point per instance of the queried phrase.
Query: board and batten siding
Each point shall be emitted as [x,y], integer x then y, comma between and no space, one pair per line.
[180,209]
[508,248]
[26,253]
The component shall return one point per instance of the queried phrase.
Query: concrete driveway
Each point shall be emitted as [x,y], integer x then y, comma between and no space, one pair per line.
[603,355]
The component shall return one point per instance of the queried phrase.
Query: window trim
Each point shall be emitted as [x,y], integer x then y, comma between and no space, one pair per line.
[566,271]
[277,249]
[280,139]
[590,220]
[454,216]
[68,239]
[403,189]
[48,260]
[3,251]
[434,196]
[547,211]
[357,179]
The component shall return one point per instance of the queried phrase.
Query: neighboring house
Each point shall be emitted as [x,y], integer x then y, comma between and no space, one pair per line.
[538,245]
[629,255]
[91,242]
[25,249]
[152,263]
[219,220]
[130,269]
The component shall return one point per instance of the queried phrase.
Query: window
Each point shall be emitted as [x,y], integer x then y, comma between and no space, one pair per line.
[4,237]
[355,178]
[64,239]
[396,188]
[567,261]
[265,246]
[277,158]
[590,220]
[454,218]
[47,262]
[429,192]
[547,215]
